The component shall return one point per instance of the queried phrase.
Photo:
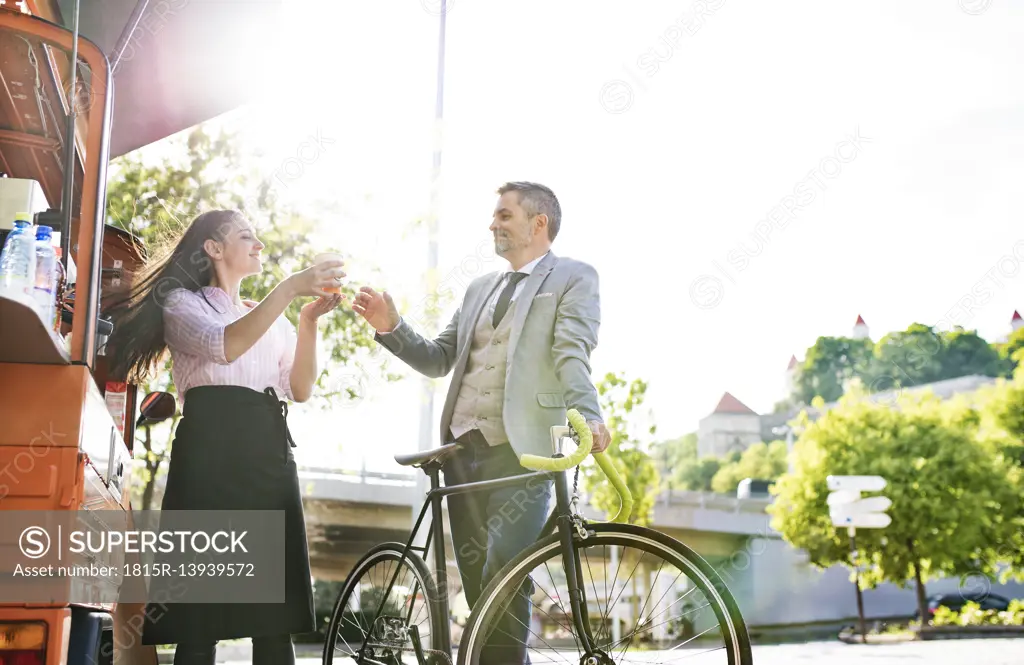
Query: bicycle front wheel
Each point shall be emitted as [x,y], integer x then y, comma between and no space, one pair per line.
[648,599]
[373,625]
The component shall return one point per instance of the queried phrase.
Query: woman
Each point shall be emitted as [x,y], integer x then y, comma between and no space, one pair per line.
[232,362]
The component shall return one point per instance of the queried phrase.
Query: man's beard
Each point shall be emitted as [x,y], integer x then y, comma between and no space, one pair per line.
[504,244]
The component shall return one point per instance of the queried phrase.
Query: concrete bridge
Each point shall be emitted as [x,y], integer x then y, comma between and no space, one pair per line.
[348,512]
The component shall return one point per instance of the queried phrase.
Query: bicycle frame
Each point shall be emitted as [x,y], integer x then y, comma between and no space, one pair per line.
[561,519]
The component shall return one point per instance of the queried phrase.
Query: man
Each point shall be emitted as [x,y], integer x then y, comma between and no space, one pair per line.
[520,347]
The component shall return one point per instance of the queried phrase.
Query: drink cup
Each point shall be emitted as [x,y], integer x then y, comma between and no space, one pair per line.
[323,258]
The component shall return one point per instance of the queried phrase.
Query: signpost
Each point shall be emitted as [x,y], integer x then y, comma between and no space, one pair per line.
[847,508]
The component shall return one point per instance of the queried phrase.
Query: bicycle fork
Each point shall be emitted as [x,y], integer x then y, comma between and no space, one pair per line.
[574,573]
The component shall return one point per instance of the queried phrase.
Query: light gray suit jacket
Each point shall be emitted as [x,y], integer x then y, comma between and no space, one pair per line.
[554,331]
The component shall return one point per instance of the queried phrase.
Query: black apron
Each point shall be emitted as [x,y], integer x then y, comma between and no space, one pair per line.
[232,451]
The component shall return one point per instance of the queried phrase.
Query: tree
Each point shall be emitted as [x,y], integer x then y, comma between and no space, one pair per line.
[954,505]
[672,454]
[155,191]
[828,365]
[920,355]
[1010,352]
[620,399]
[965,353]
[697,477]
[912,357]
[760,461]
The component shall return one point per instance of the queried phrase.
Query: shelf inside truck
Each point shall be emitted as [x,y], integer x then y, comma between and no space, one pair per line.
[24,338]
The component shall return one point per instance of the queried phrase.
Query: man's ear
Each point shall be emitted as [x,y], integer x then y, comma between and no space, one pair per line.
[541,223]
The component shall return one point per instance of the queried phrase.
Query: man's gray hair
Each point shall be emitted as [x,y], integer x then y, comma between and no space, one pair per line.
[537,199]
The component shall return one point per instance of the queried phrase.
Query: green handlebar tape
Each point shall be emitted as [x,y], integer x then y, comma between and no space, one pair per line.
[579,425]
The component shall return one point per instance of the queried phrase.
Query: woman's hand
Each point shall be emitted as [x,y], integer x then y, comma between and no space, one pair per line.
[313,280]
[312,311]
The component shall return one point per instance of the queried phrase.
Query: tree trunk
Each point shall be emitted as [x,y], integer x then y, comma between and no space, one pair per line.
[147,493]
[922,599]
[152,465]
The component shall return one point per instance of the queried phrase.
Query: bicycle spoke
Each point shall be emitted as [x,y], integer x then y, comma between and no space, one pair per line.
[386,586]
[663,623]
[624,583]
[530,630]
[640,614]
[559,607]
[564,612]
[593,584]
[534,649]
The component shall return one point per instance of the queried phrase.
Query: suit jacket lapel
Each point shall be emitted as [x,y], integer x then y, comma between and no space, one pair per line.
[525,299]
[473,313]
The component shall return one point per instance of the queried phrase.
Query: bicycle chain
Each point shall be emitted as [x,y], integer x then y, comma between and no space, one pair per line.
[577,518]
[426,652]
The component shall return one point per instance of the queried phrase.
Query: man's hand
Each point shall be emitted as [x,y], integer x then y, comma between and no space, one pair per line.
[602,439]
[378,309]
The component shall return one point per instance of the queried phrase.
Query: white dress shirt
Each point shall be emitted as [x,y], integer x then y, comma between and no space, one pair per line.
[527,269]
[493,302]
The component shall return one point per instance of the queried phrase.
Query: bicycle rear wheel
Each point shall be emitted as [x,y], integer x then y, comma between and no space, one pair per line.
[649,599]
[354,636]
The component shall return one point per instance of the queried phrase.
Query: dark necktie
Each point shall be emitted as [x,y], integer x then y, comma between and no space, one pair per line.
[506,297]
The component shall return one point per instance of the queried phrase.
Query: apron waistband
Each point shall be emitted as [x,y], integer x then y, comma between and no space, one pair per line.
[270,392]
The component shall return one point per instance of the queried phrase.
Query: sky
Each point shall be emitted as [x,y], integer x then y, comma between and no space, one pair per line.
[744,176]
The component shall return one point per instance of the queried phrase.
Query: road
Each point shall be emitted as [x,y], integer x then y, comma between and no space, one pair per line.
[939,652]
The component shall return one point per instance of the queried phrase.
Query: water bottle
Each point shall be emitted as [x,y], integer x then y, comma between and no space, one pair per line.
[46,277]
[18,263]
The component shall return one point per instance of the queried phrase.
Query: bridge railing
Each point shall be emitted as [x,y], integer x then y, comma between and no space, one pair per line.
[713,500]
[708,500]
[361,476]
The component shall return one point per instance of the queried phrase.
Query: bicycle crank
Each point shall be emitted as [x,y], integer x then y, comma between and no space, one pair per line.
[423,656]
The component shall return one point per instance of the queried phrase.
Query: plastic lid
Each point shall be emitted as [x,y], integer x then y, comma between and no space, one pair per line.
[43,232]
[24,216]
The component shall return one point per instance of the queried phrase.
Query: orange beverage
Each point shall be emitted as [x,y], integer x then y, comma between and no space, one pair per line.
[329,256]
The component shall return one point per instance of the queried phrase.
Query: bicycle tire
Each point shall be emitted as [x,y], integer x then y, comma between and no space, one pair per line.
[700,572]
[379,554]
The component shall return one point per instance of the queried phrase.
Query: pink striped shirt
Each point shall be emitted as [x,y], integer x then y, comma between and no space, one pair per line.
[194,332]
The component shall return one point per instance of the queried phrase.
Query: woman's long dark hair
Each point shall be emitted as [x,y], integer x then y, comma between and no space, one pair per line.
[137,344]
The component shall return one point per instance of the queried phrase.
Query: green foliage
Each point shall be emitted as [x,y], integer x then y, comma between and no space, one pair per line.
[155,196]
[971,614]
[683,470]
[1003,415]
[955,506]
[828,365]
[760,462]
[1011,352]
[697,476]
[154,192]
[679,467]
[912,357]
[965,353]
[620,401]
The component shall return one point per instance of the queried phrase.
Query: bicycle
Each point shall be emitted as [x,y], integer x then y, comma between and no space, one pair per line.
[380,620]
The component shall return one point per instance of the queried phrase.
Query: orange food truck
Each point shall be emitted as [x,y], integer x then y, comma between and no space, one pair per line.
[145,69]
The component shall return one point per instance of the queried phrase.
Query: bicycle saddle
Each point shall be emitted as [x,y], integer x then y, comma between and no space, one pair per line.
[427,456]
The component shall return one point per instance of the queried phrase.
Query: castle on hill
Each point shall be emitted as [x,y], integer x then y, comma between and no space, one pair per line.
[734,427]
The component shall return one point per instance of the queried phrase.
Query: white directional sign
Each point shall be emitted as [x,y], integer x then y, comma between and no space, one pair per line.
[856,483]
[872,504]
[863,520]
[842,496]
[847,508]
